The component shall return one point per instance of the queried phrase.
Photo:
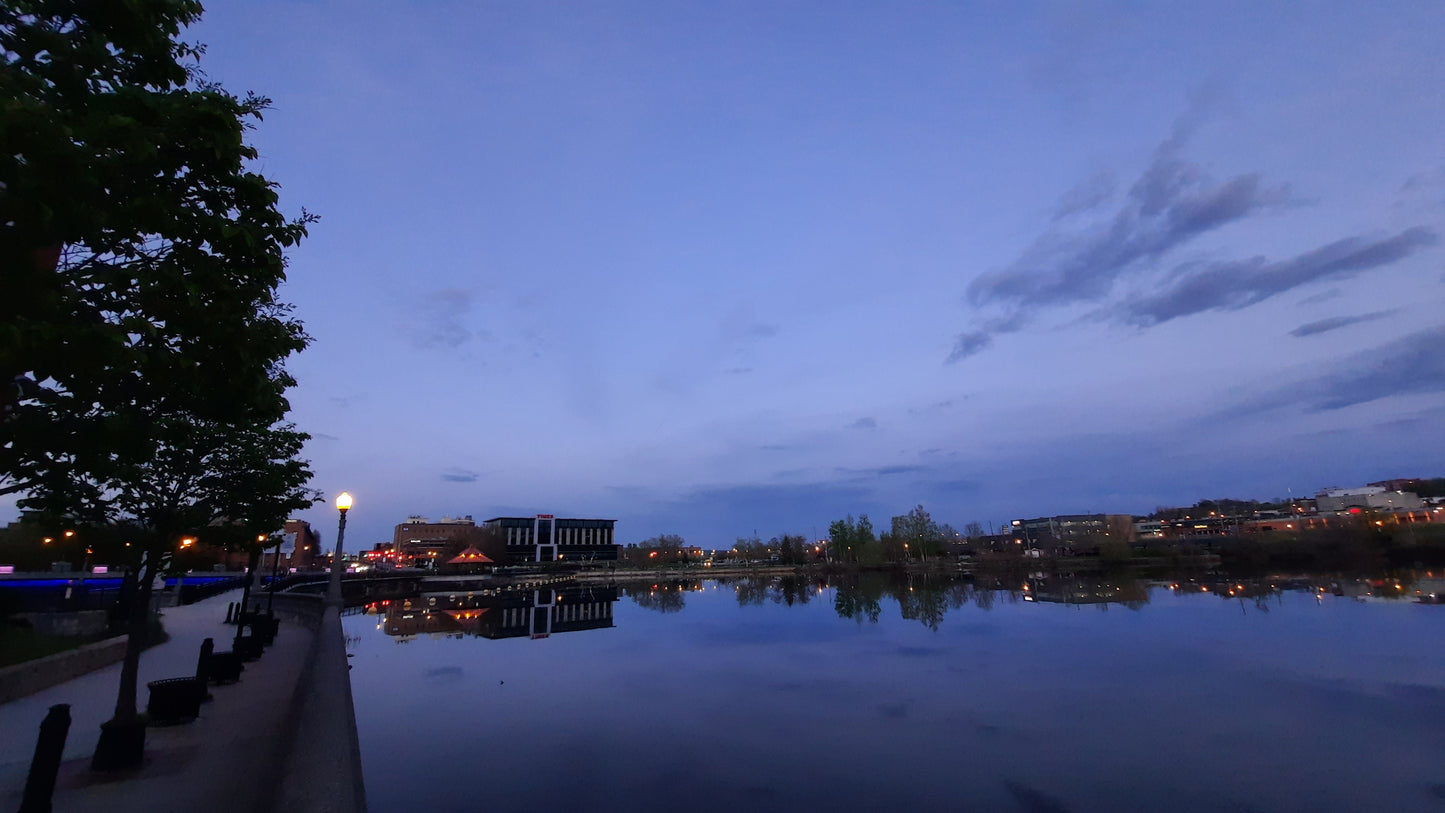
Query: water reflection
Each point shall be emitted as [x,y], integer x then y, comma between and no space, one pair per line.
[929,597]
[1020,690]
[497,614]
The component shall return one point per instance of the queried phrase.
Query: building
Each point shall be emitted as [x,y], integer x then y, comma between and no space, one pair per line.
[1076,532]
[419,542]
[300,550]
[505,614]
[1376,498]
[546,538]
[302,546]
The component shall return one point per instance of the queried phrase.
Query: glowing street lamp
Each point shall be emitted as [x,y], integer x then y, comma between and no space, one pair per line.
[333,592]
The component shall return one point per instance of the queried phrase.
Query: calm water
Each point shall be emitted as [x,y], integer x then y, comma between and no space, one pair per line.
[885,693]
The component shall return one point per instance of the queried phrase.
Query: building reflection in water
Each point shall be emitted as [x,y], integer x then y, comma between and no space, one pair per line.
[533,614]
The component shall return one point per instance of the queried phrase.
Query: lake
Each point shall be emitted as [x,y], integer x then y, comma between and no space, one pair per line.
[890,691]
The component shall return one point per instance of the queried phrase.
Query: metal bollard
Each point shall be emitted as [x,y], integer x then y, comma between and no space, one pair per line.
[40,785]
[203,663]
[230,611]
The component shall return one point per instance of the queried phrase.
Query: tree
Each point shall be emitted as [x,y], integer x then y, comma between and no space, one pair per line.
[792,549]
[917,530]
[137,249]
[143,344]
[851,541]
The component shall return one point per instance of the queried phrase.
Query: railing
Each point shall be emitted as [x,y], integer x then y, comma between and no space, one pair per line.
[191,592]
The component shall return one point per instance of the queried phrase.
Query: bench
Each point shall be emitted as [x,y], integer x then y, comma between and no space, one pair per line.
[224,667]
[175,700]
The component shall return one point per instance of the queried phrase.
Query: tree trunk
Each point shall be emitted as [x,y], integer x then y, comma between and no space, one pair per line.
[137,633]
[122,738]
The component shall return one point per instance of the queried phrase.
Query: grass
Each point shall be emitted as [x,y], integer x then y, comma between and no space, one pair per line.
[20,644]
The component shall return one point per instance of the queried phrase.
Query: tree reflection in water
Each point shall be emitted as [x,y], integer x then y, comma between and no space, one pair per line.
[928,597]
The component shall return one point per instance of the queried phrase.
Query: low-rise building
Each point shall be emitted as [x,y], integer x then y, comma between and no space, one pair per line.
[546,538]
[1076,532]
[1376,498]
[419,542]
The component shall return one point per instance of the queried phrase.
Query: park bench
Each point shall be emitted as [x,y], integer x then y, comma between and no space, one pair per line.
[225,667]
[175,700]
[247,647]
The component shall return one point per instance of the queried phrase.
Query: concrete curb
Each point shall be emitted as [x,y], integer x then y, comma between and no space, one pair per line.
[321,767]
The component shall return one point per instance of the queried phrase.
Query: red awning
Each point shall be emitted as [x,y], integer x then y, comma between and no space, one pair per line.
[470,556]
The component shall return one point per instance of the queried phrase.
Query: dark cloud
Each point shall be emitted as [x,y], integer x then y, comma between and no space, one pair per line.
[1033,800]
[719,514]
[1337,322]
[441,319]
[933,407]
[1429,180]
[1087,195]
[1239,284]
[1173,202]
[1410,365]
[864,423]
[323,436]
[1323,296]
[455,475]
[969,344]
[951,486]
[738,370]
[881,471]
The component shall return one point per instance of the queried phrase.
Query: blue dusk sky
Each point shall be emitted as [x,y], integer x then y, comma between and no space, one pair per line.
[717,268]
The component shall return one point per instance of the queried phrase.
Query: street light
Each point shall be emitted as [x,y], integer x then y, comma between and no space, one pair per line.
[333,592]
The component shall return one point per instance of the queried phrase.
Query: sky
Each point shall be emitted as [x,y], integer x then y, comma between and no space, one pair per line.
[719,269]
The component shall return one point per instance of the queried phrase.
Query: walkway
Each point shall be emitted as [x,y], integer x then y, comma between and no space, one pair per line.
[218,763]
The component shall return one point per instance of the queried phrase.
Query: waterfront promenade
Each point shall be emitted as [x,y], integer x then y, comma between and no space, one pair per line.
[239,755]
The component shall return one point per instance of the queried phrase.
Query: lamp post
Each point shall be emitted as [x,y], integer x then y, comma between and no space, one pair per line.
[333,592]
[271,589]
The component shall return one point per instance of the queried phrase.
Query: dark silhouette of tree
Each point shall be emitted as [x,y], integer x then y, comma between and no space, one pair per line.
[144,345]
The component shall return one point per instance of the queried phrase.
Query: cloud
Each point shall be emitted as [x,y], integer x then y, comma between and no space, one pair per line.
[864,423]
[881,471]
[441,319]
[1241,283]
[456,475]
[969,344]
[1323,296]
[1173,202]
[723,512]
[737,371]
[936,406]
[1409,365]
[1086,195]
[1337,322]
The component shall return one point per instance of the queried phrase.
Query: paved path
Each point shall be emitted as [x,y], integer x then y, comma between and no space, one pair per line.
[218,763]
